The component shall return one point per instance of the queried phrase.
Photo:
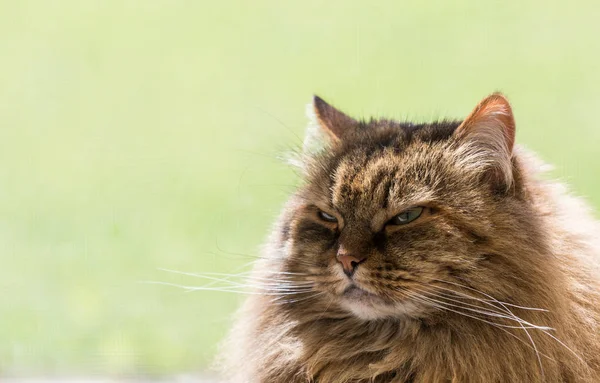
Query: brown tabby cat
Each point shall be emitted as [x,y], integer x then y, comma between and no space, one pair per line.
[423,253]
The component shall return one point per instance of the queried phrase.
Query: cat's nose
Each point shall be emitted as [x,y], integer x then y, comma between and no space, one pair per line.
[349,261]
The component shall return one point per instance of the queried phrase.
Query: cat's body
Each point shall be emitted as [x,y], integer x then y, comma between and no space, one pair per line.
[423,253]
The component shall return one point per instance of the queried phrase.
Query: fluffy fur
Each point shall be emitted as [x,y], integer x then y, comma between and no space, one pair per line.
[497,281]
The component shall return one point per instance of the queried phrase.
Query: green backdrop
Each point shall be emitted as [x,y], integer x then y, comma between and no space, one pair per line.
[138,135]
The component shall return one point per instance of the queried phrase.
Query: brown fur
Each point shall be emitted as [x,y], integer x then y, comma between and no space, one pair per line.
[495,234]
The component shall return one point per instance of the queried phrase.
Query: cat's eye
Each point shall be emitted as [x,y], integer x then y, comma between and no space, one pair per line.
[406,216]
[327,217]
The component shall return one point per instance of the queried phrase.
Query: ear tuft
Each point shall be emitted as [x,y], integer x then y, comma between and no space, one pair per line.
[490,132]
[333,122]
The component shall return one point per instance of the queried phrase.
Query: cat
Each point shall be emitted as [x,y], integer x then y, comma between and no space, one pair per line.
[423,253]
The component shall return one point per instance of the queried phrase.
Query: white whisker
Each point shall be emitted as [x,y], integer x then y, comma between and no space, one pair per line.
[445,306]
[480,292]
[545,331]
[233,290]
[484,312]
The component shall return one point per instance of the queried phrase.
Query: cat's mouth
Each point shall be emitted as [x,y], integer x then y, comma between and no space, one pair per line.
[367,305]
[355,293]
[370,306]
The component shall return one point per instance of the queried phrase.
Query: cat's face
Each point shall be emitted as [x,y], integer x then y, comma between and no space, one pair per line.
[390,211]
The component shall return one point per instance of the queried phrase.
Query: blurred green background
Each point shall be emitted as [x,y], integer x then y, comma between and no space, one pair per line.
[138,135]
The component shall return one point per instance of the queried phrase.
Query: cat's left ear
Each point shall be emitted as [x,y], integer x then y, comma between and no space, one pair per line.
[334,123]
[490,133]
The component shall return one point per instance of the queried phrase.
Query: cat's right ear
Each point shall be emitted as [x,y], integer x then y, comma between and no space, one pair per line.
[334,123]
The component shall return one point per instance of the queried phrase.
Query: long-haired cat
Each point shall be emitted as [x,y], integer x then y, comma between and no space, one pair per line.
[423,253]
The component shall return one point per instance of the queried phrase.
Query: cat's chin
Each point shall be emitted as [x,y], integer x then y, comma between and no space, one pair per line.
[369,306]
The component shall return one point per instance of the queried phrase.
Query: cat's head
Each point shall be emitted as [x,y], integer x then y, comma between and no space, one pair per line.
[391,212]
